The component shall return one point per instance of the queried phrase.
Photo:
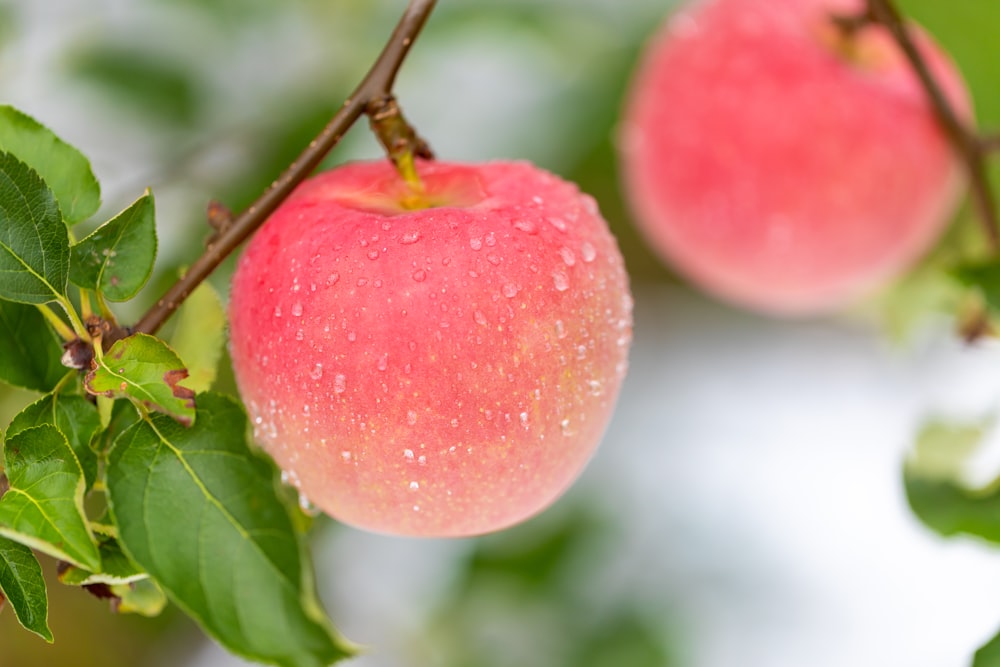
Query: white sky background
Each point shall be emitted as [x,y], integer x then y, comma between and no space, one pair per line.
[754,465]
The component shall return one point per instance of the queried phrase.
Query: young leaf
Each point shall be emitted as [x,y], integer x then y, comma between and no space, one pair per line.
[117,258]
[63,167]
[143,368]
[43,508]
[34,242]
[22,583]
[199,512]
[74,416]
[200,336]
[143,597]
[935,490]
[30,352]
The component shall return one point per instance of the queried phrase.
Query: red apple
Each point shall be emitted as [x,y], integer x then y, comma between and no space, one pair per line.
[781,164]
[435,364]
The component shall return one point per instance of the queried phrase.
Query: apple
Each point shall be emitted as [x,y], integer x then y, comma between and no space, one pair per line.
[435,362]
[781,164]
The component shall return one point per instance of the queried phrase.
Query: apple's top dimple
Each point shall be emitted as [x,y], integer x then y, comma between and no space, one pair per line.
[391,195]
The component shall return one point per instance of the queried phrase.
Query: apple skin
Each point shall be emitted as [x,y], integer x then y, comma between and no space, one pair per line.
[779,165]
[443,371]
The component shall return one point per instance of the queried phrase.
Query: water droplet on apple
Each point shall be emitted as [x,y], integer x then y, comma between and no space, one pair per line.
[346,455]
[290,478]
[509,290]
[373,253]
[316,373]
[596,387]
[332,278]
[588,252]
[307,507]
[339,383]
[560,329]
[493,259]
[409,237]
[479,318]
[277,311]
[557,222]
[419,275]
[383,362]
[476,243]
[351,336]
[411,418]
[568,258]
[408,454]
[414,486]
[526,226]
[297,310]
[300,335]
[560,280]
[491,239]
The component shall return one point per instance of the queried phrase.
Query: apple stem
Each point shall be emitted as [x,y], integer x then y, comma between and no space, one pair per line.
[377,85]
[401,144]
[971,148]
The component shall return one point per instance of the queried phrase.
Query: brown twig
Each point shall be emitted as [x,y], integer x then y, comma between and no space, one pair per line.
[376,85]
[972,148]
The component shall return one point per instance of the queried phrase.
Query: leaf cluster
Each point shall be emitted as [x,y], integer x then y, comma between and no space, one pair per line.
[128,469]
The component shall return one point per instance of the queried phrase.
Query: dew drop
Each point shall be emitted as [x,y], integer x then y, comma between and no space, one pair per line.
[414,486]
[419,275]
[373,254]
[317,372]
[339,383]
[289,477]
[332,278]
[588,252]
[596,388]
[410,237]
[476,243]
[408,454]
[509,290]
[362,282]
[560,280]
[307,507]
[300,335]
[491,239]
[411,419]
[524,418]
[383,362]
[346,455]
[560,329]
[557,222]
[297,310]
[493,259]
[421,460]
[568,258]
[351,336]
[277,311]
[526,226]
[479,318]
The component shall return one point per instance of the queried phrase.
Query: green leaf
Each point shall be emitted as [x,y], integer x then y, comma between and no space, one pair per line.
[144,368]
[75,417]
[62,167]
[986,277]
[200,336]
[936,491]
[43,508]
[199,511]
[31,353]
[34,242]
[117,258]
[116,568]
[143,597]
[989,654]
[22,583]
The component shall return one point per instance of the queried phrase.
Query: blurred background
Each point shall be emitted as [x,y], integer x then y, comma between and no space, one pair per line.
[746,507]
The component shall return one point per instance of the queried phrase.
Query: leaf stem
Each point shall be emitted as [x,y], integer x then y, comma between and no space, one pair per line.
[376,85]
[63,329]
